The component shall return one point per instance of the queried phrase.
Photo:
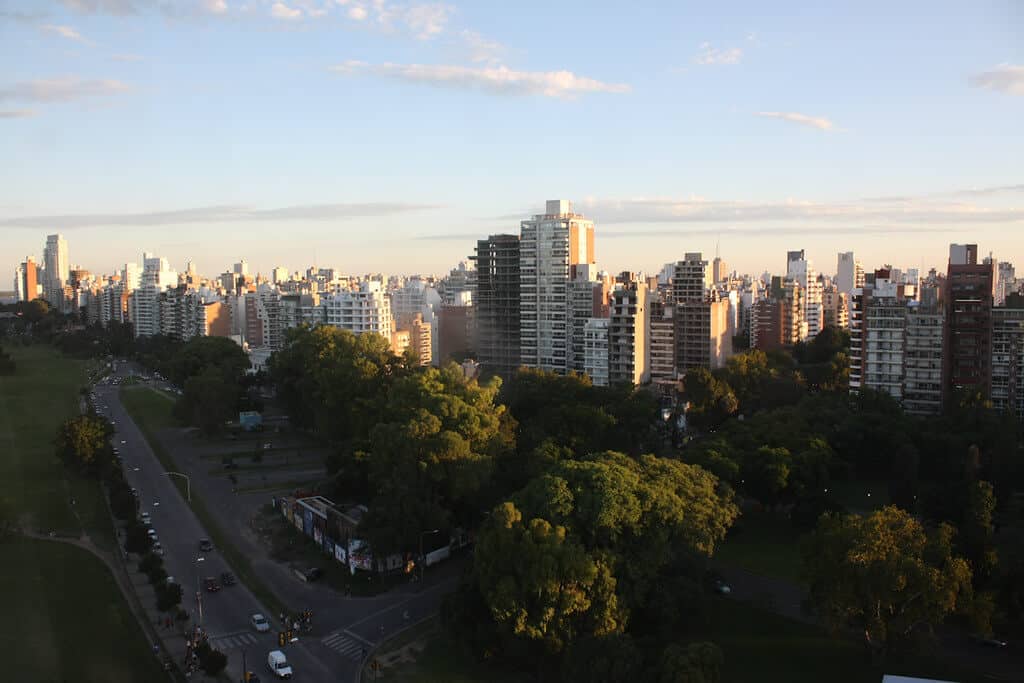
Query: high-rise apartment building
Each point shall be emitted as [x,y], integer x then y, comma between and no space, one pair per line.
[661,339]
[627,334]
[411,332]
[144,310]
[1008,356]
[367,309]
[968,320]
[280,275]
[800,270]
[719,273]
[701,317]
[922,360]
[27,280]
[877,342]
[595,350]
[551,245]
[587,298]
[56,268]
[497,305]
[836,307]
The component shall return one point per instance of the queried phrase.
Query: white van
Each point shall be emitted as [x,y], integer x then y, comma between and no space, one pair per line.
[279,664]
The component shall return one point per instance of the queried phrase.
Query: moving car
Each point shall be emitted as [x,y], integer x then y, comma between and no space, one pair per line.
[205,545]
[278,663]
[228,579]
[259,622]
[151,533]
[211,584]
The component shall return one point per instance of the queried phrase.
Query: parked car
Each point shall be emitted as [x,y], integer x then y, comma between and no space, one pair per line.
[211,584]
[205,545]
[278,663]
[228,579]
[722,588]
[152,533]
[259,622]
[157,548]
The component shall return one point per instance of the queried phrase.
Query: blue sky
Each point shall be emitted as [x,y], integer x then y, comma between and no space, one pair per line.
[379,135]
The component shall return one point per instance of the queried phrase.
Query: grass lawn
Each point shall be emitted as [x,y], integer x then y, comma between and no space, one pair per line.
[763,543]
[761,647]
[65,619]
[441,660]
[151,411]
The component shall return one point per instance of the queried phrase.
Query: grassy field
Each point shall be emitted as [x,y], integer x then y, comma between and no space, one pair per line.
[761,647]
[151,411]
[64,618]
[763,543]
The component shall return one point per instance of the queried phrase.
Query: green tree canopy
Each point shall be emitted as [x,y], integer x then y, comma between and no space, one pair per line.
[885,576]
[82,442]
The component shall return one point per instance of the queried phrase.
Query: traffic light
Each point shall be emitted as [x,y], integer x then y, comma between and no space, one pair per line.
[281,639]
[247,677]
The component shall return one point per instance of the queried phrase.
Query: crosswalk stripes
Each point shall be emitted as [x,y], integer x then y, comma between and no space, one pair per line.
[344,645]
[232,641]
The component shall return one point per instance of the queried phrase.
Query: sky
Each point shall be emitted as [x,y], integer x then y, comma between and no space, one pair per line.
[387,136]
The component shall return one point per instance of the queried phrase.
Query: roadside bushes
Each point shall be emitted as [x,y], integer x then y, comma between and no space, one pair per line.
[211,661]
[138,540]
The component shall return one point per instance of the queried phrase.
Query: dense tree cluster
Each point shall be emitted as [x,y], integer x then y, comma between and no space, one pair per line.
[211,372]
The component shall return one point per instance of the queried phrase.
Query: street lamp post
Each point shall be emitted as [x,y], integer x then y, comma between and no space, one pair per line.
[423,559]
[199,592]
[188,483]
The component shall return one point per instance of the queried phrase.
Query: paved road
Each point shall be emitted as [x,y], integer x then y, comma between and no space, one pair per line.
[345,628]
[225,614]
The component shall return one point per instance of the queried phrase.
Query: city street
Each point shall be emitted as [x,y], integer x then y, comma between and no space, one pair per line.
[225,614]
[344,628]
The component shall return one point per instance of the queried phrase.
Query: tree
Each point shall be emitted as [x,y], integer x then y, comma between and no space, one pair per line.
[609,659]
[82,441]
[208,401]
[211,661]
[885,576]
[137,539]
[36,310]
[201,354]
[433,456]
[540,584]
[711,399]
[977,531]
[335,382]
[168,596]
[695,663]
[766,473]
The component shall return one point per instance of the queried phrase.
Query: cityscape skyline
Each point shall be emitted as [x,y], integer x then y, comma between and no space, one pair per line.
[415,127]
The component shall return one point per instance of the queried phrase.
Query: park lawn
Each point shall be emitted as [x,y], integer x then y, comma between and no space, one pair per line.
[763,543]
[65,619]
[762,647]
[35,488]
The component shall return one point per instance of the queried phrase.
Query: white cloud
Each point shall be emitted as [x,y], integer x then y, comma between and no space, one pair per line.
[357,12]
[64,89]
[802,119]
[927,211]
[1006,78]
[480,49]
[220,214]
[17,114]
[427,20]
[215,6]
[495,80]
[65,32]
[279,10]
[103,6]
[710,55]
